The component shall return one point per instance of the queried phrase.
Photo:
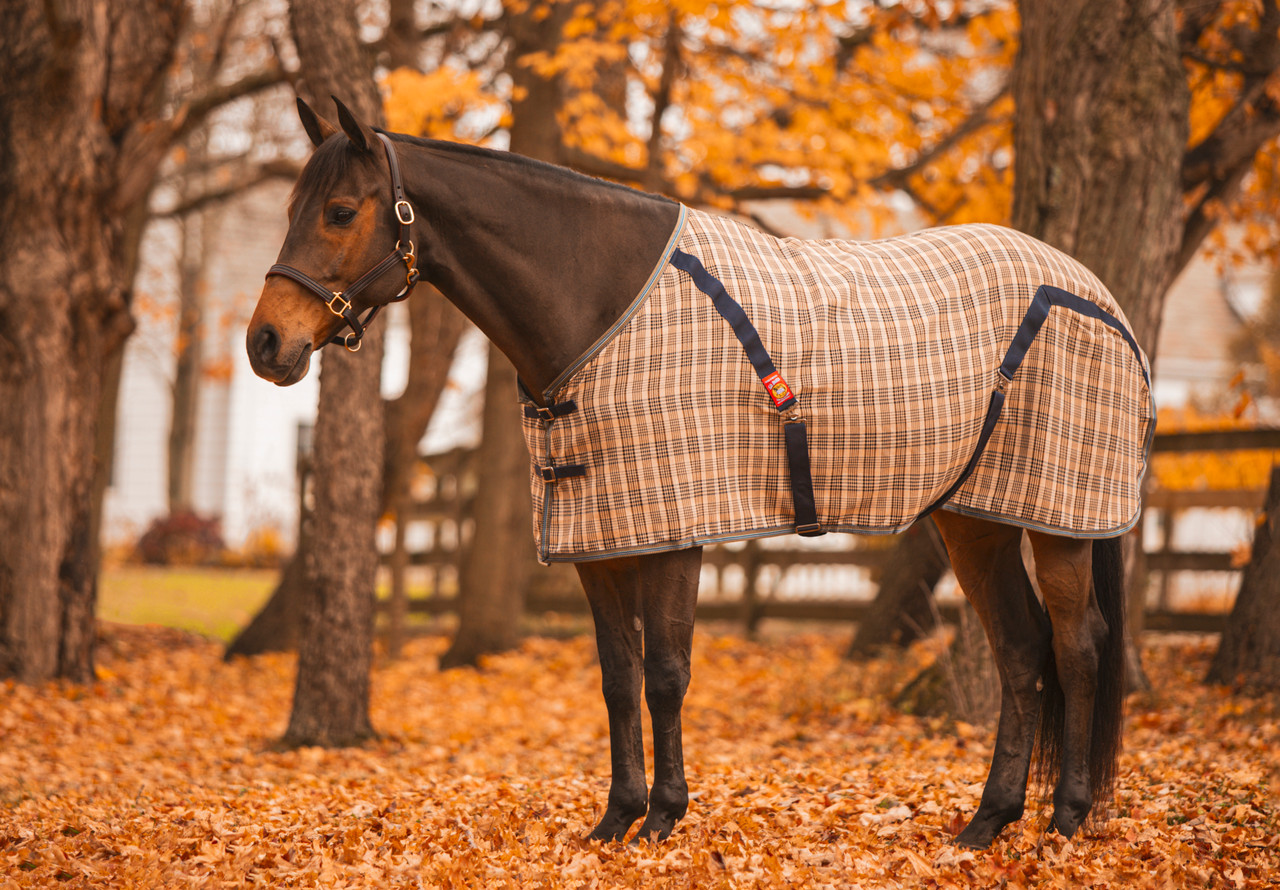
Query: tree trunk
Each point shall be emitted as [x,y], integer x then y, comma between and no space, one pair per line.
[962,683]
[1249,650]
[1099,139]
[903,610]
[435,327]
[495,575]
[277,625]
[1099,134]
[331,699]
[76,158]
[186,377]
[496,564]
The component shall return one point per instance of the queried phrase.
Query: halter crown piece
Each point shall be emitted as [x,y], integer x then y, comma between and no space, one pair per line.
[339,302]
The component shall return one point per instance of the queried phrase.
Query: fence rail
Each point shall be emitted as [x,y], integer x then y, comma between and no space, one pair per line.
[441,510]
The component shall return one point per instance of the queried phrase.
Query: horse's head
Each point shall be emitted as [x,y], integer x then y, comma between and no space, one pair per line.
[347,211]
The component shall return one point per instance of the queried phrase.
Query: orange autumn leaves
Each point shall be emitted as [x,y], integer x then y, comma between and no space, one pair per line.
[164,774]
[846,105]
[831,101]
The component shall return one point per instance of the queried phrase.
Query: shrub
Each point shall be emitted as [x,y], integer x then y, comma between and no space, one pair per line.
[182,539]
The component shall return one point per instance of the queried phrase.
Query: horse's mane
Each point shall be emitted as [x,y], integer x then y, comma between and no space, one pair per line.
[332,161]
[513,159]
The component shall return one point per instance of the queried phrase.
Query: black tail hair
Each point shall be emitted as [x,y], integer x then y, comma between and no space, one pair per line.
[1108,701]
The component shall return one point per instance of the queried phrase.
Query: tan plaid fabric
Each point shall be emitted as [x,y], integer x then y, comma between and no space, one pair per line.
[891,348]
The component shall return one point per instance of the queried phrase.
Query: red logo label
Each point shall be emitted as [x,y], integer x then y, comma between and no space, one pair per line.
[777,388]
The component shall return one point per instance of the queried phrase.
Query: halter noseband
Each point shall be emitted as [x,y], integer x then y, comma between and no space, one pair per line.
[339,302]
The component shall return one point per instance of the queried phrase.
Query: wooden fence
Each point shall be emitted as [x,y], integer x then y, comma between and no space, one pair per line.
[786,577]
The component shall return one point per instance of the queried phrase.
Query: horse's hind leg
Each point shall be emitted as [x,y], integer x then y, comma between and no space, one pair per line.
[987,560]
[612,590]
[668,596]
[1064,570]
[643,610]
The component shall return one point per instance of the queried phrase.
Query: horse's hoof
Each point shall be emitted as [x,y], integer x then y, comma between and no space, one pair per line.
[979,834]
[613,826]
[976,841]
[1068,817]
[1065,826]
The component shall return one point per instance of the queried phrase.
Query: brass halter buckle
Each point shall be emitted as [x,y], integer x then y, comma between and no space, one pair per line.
[338,304]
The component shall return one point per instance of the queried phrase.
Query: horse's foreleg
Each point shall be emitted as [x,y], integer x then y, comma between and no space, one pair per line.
[613,593]
[987,561]
[668,596]
[1064,570]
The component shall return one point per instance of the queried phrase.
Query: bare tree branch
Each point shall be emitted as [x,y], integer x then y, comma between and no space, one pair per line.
[281,169]
[671,64]
[195,110]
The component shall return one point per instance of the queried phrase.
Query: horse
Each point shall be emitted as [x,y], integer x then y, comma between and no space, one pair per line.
[548,263]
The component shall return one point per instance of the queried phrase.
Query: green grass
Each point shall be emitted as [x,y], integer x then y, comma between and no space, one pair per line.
[212,602]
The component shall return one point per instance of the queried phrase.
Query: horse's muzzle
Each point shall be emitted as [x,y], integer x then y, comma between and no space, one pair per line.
[264,346]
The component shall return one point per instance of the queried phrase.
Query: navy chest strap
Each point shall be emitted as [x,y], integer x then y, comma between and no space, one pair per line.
[795,434]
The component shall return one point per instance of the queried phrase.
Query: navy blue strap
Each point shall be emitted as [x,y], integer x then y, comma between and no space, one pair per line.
[731,311]
[988,425]
[564,471]
[797,440]
[795,433]
[552,411]
[1046,298]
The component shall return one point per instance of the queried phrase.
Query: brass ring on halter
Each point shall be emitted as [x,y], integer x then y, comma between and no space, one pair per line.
[346,342]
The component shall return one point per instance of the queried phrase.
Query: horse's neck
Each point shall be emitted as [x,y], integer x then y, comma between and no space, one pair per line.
[542,262]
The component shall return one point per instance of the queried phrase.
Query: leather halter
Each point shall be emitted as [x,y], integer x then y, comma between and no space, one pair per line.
[340,302]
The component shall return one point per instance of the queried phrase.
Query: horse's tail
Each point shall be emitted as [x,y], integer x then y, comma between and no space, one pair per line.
[1108,701]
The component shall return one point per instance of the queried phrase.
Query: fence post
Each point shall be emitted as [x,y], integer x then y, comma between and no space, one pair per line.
[751,606]
[398,607]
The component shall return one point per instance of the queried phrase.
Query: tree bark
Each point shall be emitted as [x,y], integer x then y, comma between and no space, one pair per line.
[1099,139]
[186,376]
[277,625]
[83,85]
[495,576]
[1249,650]
[903,609]
[1099,135]
[331,698]
[495,571]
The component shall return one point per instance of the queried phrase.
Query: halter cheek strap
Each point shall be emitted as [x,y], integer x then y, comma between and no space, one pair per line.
[340,302]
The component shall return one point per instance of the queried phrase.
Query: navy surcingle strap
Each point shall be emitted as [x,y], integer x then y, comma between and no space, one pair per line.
[795,434]
[1046,298]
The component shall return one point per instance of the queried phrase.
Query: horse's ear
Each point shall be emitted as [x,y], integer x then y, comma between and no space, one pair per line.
[361,136]
[318,129]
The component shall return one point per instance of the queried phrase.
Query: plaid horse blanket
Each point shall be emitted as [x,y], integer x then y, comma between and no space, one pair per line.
[661,436]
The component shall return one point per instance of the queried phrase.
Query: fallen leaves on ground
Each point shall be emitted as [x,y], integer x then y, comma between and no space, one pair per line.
[164,773]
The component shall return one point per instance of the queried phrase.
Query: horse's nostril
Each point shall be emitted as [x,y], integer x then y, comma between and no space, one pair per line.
[265,343]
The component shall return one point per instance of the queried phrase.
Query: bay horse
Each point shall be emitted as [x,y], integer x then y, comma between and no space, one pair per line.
[548,263]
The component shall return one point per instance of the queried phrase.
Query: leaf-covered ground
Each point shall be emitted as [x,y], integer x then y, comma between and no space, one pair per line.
[163,774]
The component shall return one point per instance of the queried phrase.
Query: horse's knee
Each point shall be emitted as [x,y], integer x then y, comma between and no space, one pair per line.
[665,683]
[619,687]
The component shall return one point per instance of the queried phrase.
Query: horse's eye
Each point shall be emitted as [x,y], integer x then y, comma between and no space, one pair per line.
[340,216]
